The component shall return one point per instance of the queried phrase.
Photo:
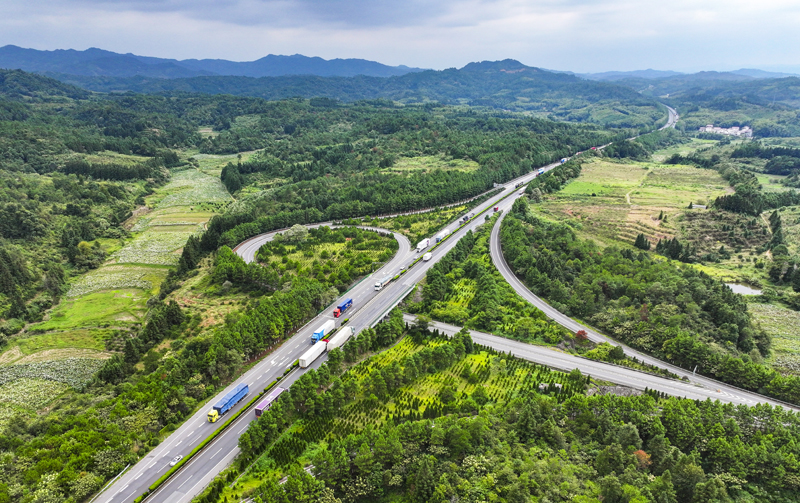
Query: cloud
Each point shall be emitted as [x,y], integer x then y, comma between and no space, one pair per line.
[578,35]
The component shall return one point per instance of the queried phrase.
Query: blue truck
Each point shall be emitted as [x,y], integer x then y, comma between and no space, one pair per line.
[229,400]
[344,306]
[323,332]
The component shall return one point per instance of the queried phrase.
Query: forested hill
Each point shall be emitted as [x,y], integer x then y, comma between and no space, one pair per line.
[16,85]
[504,84]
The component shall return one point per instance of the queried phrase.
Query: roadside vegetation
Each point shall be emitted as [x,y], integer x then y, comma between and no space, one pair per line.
[435,419]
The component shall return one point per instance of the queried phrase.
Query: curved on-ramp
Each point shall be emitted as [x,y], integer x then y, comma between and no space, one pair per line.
[719,388]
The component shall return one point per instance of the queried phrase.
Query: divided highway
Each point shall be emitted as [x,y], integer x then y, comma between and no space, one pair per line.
[369,307]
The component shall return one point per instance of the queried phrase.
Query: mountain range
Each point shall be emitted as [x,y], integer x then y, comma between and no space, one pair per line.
[99,62]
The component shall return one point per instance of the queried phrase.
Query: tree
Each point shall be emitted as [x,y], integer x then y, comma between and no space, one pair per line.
[422,483]
[642,242]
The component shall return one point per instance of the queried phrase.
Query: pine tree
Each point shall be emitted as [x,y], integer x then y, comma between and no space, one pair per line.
[642,242]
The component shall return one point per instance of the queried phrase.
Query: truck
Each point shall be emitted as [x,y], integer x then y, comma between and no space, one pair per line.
[322,331]
[382,283]
[312,354]
[442,235]
[230,399]
[423,244]
[344,306]
[267,402]
[540,172]
[427,256]
[339,338]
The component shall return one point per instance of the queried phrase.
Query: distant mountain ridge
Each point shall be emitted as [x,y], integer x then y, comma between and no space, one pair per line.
[101,63]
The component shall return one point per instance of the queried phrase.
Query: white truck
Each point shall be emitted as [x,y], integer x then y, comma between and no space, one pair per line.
[442,235]
[427,256]
[312,354]
[382,283]
[423,244]
[340,337]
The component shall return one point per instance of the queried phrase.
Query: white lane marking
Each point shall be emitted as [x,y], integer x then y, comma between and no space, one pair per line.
[126,486]
[212,456]
[152,464]
[185,481]
[243,428]
[250,384]
[179,443]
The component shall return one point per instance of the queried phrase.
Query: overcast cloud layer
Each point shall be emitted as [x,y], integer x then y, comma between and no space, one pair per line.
[577,35]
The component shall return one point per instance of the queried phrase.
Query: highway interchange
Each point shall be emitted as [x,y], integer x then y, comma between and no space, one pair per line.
[369,307]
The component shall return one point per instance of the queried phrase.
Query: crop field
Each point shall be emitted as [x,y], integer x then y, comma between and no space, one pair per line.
[118,277]
[190,186]
[31,393]
[154,247]
[113,297]
[74,372]
[426,164]
[784,326]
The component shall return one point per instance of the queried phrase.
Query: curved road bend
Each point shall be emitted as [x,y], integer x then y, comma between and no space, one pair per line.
[573,326]
[563,361]
[196,475]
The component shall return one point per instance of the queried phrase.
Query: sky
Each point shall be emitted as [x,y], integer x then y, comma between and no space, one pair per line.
[575,35]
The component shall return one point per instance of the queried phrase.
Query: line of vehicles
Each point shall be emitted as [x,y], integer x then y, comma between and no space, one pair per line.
[328,343]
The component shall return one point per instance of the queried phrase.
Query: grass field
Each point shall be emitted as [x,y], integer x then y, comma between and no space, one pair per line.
[772,183]
[416,227]
[784,326]
[683,149]
[431,163]
[617,201]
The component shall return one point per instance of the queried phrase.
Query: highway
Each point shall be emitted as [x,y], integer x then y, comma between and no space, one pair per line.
[369,306]
[196,475]
[672,119]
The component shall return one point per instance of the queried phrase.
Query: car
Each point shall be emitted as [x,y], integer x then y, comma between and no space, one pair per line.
[175,460]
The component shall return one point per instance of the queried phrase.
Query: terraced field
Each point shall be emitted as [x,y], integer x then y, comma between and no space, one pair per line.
[617,201]
[105,304]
